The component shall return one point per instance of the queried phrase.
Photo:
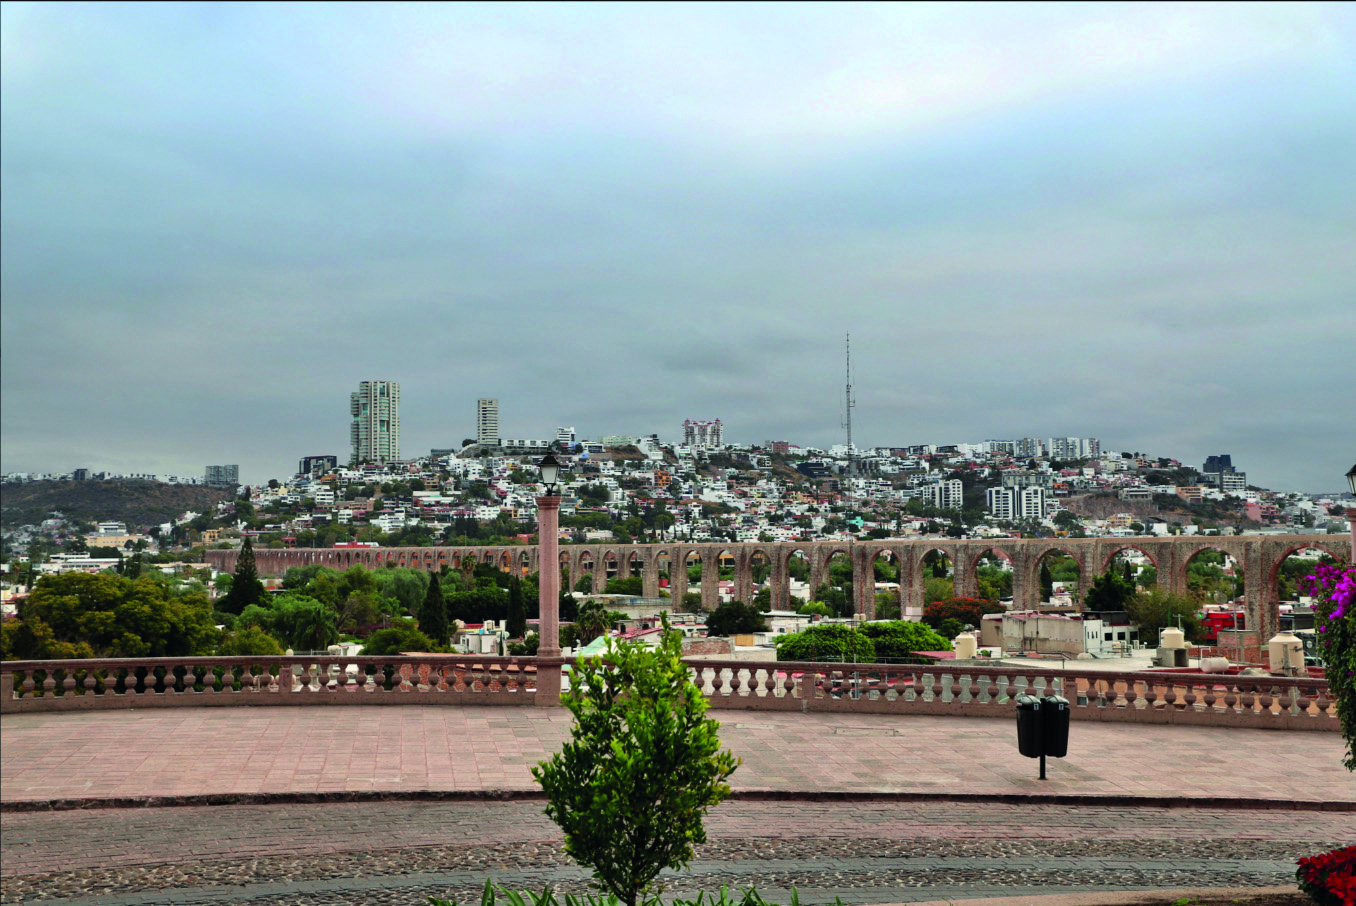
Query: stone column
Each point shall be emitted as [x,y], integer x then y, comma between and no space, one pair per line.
[780,579]
[743,575]
[710,579]
[548,601]
[1351,521]
[864,583]
[649,575]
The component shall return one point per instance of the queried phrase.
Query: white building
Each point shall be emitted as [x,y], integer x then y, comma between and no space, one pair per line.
[945,495]
[487,421]
[375,432]
[703,435]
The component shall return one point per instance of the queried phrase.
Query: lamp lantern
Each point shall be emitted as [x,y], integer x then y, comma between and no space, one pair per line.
[550,471]
[1351,480]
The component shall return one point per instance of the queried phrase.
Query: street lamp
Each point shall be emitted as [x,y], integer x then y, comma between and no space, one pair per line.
[548,584]
[1351,515]
[550,471]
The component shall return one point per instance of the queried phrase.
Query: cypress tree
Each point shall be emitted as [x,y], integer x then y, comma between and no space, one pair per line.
[517,610]
[433,614]
[246,589]
[1047,583]
[1127,574]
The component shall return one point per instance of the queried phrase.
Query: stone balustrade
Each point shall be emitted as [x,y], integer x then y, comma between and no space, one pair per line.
[83,685]
[1200,699]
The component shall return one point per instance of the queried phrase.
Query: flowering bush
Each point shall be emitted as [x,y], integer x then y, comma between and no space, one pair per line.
[1334,592]
[1330,879]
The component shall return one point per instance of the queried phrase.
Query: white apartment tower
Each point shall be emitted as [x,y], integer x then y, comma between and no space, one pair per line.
[375,432]
[487,422]
[705,435]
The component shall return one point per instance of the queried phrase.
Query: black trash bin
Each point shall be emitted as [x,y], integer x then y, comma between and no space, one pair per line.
[1054,725]
[1029,737]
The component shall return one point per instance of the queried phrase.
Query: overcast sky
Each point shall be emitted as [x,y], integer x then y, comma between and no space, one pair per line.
[1130,222]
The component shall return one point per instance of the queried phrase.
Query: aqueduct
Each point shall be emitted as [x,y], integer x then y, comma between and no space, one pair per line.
[1260,558]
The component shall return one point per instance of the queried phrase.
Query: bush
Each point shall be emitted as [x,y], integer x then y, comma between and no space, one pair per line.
[966,611]
[1329,879]
[644,764]
[903,639]
[831,641]
[733,618]
[387,642]
[250,641]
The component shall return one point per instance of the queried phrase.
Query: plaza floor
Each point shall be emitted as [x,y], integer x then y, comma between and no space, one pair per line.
[185,752]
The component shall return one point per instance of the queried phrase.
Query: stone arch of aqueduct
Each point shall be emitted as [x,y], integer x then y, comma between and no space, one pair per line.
[1260,557]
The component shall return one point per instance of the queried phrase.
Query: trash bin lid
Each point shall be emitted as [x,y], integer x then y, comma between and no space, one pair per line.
[1028,701]
[1056,701]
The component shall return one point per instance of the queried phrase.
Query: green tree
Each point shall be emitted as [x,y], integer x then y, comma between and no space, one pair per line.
[735,618]
[825,642]
[516,623]
[644,764]
[433,615]
[250,641]
[1109,591]
[1047,583]
[1155,609]
[592,621]
[392,641]
[246,589]
[79,615]
[902,639]
[629,586]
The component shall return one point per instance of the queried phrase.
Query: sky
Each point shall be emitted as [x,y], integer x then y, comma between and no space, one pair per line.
[1133,222]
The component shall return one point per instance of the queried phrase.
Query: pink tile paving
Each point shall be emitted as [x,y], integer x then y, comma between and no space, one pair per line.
[173,752]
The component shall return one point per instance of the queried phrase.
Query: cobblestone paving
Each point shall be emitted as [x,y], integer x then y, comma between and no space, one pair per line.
[351,853]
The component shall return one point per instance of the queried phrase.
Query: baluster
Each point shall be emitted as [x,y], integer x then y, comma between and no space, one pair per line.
[28,685]
[49,683]
[1267,698]
[1303,701]
[1209,697]
[89,681]
[1132,695]
[788,686]
[1190,698]
[1322,703]
[937,687]
[67,683]
[305,678]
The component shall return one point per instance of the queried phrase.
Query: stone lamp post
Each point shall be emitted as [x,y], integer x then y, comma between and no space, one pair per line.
[1351,515]
[548,587]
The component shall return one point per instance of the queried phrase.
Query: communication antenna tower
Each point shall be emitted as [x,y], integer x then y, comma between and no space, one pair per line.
[849,401]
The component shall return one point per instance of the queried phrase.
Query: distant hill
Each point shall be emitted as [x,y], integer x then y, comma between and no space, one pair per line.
[135,502]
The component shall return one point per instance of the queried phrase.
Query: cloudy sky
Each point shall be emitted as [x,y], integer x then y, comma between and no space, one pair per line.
[1130,222]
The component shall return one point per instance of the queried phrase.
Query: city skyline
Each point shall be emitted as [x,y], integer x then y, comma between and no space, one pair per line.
[1124,222]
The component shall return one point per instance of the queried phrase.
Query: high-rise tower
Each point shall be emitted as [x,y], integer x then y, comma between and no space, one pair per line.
[375,431]
[487,422]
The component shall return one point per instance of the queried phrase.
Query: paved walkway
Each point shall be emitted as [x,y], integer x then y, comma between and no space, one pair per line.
[333,751]
[343,854]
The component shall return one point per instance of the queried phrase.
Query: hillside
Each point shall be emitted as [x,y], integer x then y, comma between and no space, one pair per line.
[1168,509]
[137,503]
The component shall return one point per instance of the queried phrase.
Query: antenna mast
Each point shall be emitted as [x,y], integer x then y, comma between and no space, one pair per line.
[848,401]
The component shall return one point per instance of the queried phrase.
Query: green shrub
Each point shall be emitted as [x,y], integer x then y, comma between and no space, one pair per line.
[387,642]
[828,641]
[903,638]
[644,764]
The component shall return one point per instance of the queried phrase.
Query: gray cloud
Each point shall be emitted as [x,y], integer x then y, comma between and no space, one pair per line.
[1129,222]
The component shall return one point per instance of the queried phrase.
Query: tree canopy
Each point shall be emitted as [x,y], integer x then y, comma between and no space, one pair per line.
[77,615]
